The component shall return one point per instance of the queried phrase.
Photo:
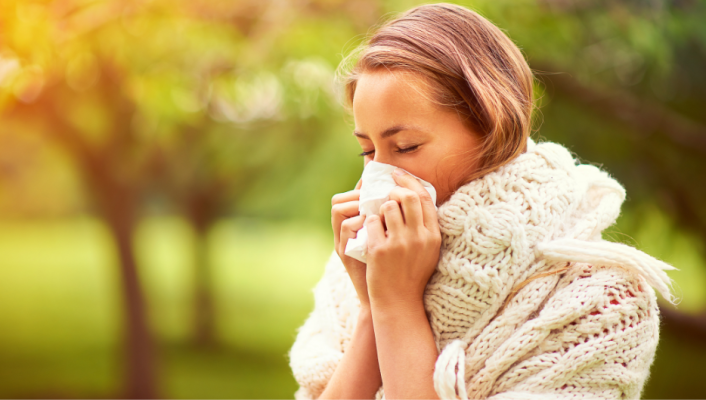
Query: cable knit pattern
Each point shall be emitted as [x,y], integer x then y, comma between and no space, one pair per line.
[588,331]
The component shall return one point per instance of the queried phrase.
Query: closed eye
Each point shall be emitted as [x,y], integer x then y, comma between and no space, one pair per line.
[401,151]
[408,149]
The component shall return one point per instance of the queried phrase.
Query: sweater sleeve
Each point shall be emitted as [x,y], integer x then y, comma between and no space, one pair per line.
[599,349]
[322,340]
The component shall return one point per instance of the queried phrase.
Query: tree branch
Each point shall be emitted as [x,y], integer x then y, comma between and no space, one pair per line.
[686,326]
[644,116]
[44,109]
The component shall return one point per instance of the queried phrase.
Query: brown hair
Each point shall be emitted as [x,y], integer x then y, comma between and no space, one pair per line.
[472,67]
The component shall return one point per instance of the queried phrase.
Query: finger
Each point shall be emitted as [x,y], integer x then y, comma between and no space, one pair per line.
[351,226]
[411,206]
[349,230]
[406,180]
[393,217]
[376,233]
[345,197]
[341,212]
[345,210]
[382,221]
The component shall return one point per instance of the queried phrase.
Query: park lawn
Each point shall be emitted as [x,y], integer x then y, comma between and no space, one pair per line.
[60,315]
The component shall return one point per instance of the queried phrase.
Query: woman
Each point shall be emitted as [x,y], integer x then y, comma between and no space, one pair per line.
[507,291]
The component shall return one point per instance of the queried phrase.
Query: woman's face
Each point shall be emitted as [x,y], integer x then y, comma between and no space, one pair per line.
[396,123]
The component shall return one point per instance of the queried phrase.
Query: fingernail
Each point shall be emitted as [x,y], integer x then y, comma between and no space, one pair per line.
[399,172]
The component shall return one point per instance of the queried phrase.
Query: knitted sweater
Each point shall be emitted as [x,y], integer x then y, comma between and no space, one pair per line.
[589,331]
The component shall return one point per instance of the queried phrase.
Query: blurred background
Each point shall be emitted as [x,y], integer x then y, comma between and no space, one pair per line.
[166,170]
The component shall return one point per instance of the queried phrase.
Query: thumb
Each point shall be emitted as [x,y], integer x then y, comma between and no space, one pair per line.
[359,184]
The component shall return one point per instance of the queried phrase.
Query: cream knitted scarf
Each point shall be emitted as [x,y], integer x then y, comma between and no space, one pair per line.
[589,331]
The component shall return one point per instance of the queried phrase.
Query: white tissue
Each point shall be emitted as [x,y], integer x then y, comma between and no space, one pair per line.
[375,190]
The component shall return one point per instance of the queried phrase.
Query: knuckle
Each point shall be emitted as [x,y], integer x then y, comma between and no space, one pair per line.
[435,238]
[401,245]
[424,196]
[417,241]
[347,224]
[408,196]
[378,250]
[425,238]
[389,205]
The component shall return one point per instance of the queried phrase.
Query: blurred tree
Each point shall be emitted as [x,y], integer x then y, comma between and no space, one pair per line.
[209,108]
[252,114]
[196,100]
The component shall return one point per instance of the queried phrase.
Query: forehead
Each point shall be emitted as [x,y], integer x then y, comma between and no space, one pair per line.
[386,98]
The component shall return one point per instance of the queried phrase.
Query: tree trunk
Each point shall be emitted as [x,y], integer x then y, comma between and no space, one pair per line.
[204,307]
[200,211]
[140,375]
[116,199]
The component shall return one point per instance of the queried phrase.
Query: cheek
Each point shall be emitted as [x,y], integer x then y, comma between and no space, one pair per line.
[445,175]
[427,171]
[424,165]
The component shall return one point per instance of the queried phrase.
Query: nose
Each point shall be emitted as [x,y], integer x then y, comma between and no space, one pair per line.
[382,158]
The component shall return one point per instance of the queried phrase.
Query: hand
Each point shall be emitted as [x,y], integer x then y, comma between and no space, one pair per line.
[402,258]
[346,222]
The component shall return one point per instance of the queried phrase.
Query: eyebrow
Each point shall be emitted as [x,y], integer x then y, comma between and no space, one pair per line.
[388,132]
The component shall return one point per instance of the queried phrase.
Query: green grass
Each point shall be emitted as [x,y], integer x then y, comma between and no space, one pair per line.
[60,315]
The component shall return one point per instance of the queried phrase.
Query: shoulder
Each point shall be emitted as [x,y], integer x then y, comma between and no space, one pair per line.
[606,303]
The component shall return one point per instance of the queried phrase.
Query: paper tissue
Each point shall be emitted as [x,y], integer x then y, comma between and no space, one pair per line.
[375,190]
